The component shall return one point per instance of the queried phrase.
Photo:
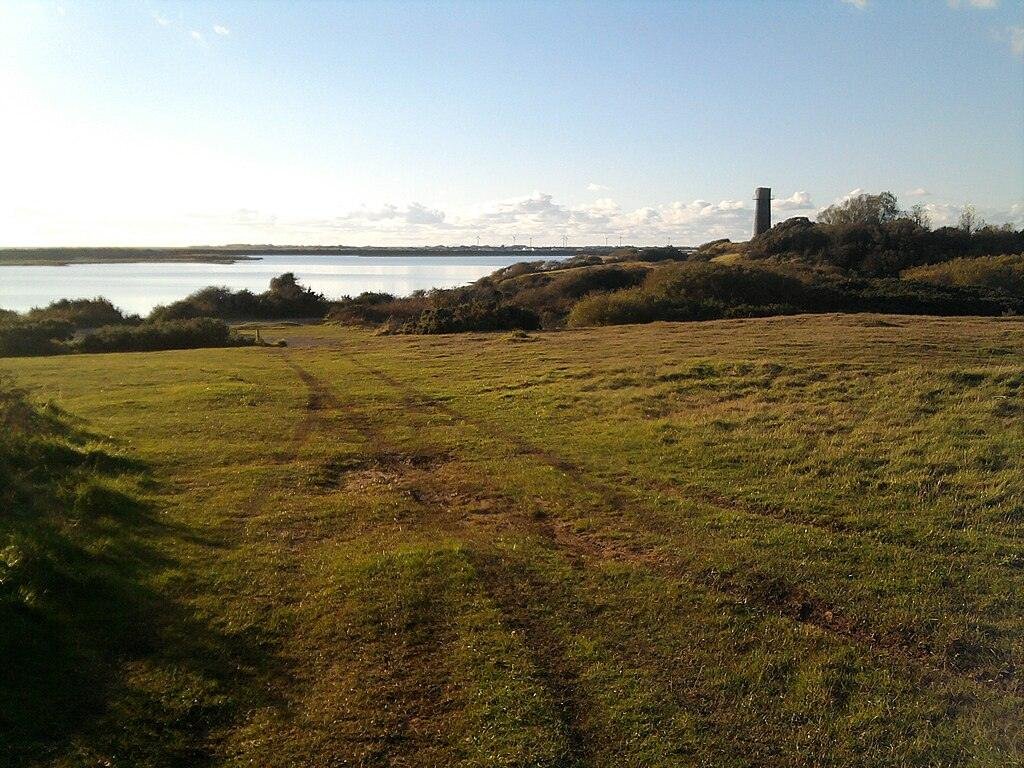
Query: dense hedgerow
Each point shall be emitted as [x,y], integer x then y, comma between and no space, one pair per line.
[1005,273]
[524,296]
[702,291]
[474,316]
[882,249]
[46,330]
[20,337]
[284,299]
[376,308]
[55,337]
[170,334]
[82,313]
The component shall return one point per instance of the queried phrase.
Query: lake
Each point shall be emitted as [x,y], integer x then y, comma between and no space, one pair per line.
[140,287]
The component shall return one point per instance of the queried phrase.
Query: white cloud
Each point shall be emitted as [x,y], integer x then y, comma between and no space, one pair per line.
[861,4]
[1016,40]
[389,217]
[731,205]
[160,19]
[848,196]
[594,187]
[546,220]
[798,201]
[603,206]
[420,214]
[221,30]
[919,192]
[982,4]
[198,37]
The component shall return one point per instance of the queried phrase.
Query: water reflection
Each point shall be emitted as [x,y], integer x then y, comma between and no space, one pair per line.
[140,287]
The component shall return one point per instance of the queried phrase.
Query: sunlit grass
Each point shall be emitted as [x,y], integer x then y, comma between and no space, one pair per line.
[769,542]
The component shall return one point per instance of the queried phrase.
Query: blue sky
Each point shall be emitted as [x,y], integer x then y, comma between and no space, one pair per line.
[420,123]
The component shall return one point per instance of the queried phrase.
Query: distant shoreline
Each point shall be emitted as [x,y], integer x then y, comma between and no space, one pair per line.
[230,254]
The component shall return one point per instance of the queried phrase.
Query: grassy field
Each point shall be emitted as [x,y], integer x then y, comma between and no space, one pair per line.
[789,542]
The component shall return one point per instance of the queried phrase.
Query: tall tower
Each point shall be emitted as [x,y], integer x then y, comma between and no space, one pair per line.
[763,210]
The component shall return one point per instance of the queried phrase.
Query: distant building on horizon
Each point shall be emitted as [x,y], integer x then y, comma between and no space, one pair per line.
[762,210]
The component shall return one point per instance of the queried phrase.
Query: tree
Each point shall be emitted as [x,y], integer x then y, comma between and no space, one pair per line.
[970,221]
[286,286]
[862,209]
[918,214]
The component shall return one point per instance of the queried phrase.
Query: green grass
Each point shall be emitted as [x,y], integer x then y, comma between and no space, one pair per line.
[791,541]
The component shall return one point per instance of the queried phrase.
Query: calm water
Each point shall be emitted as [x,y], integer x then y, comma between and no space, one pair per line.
[140,287]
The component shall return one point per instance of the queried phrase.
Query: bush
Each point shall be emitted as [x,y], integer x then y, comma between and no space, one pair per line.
[728,285]
[880,248]
[82,313]
[1003,273]
[633,305]
[33,337]
[475,316]
[172,334]
[707,290]
[659,253]
[517,270]
[376,308]
[285,299]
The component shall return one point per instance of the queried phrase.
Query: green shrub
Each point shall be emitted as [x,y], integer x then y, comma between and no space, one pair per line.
[550,296]
[373,308]
[476,316]
[879,248]
[697,290]
[633,305]
[1003,273]
[22,337]
[285,299]
[82,313]
[171,334]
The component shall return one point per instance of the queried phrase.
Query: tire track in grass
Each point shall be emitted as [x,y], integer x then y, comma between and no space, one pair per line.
[260,496]
[778,595]
[274,671]
[417,400]
[290,684]
[382,707]
[548,658]
[390,741]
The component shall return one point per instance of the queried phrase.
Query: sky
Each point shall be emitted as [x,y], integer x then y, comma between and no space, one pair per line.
[378,123]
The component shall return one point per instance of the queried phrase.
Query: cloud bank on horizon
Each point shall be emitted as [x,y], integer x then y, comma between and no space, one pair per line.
[542,220]
[536,219]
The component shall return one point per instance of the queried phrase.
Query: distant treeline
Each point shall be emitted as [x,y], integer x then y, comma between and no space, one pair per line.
[864,255]
[882,249]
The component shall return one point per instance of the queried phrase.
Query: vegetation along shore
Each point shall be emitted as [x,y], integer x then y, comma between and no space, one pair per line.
[229,254]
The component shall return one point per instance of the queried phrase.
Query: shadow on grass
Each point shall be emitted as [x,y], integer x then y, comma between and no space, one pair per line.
[100,666]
